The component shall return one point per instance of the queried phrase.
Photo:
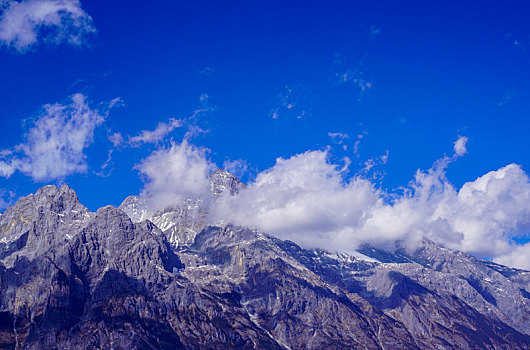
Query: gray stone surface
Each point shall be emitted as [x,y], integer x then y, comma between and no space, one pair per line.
[120,278]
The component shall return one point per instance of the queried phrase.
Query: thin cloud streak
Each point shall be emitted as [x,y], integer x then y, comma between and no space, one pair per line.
[156,135]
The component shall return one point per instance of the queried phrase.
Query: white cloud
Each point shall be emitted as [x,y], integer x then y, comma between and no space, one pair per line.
[460,146]
[345,74]
[303,199]
[518,257]
[384,157]
[294,102]
[374,31]
[163,129]
[157,135]
[306,199]
[23,24]
[116,139]
[105,171]
[238,167]
[482,217]
[54,146]
[337,137]
[174,174]
[7,168]
[358,142]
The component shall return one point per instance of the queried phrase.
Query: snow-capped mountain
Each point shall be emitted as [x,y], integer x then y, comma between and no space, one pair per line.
[129,278]
[181,223]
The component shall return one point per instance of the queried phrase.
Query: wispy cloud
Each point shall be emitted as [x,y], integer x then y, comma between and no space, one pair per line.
[156,135]
[345,141]
[339,138]
[206,71]
[343,73]
[293,102]
[238,167]
[106,169]
[27,23]
[508,96]
[116,138]
[164,129]
[54,146]
[357,142]
[374,32]
[460,146]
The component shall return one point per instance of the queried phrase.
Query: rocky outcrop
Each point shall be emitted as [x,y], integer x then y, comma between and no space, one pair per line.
[72,279]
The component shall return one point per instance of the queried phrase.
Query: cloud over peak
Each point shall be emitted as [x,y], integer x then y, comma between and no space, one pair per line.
[173,174]
[24,24]
[307,199]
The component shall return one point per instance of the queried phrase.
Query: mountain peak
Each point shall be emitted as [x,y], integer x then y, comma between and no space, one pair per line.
[223,182]
[65,272]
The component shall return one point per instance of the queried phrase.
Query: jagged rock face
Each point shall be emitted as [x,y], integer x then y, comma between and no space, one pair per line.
[444,309]
[181,223]
[72,279]
[222,182]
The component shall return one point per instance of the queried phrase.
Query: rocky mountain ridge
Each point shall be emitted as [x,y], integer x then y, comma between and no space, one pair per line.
[126,278]
[182,223]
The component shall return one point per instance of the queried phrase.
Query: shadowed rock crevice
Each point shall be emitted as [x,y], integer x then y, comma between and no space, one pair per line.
[72,279]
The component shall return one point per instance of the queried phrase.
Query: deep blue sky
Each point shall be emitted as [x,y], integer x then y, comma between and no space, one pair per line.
[435,70]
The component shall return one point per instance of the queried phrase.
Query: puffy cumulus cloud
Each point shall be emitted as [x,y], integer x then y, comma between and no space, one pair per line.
[154,136]
[303,199]
[518,257]
[307,199]
[495,211]
[54,146]
[460,146]
[24,23]
[482,217]
[174,174]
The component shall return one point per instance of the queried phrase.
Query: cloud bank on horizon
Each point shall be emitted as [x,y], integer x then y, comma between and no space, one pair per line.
[28,23]
[308,199]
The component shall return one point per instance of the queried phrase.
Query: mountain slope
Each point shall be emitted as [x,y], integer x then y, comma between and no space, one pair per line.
[112,279]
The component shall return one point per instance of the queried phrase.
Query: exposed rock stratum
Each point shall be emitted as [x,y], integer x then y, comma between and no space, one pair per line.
[129,278]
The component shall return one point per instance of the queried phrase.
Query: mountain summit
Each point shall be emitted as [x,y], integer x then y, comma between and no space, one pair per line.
[130,278]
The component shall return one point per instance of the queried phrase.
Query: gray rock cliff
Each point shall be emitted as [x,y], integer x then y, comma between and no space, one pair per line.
[126,278]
